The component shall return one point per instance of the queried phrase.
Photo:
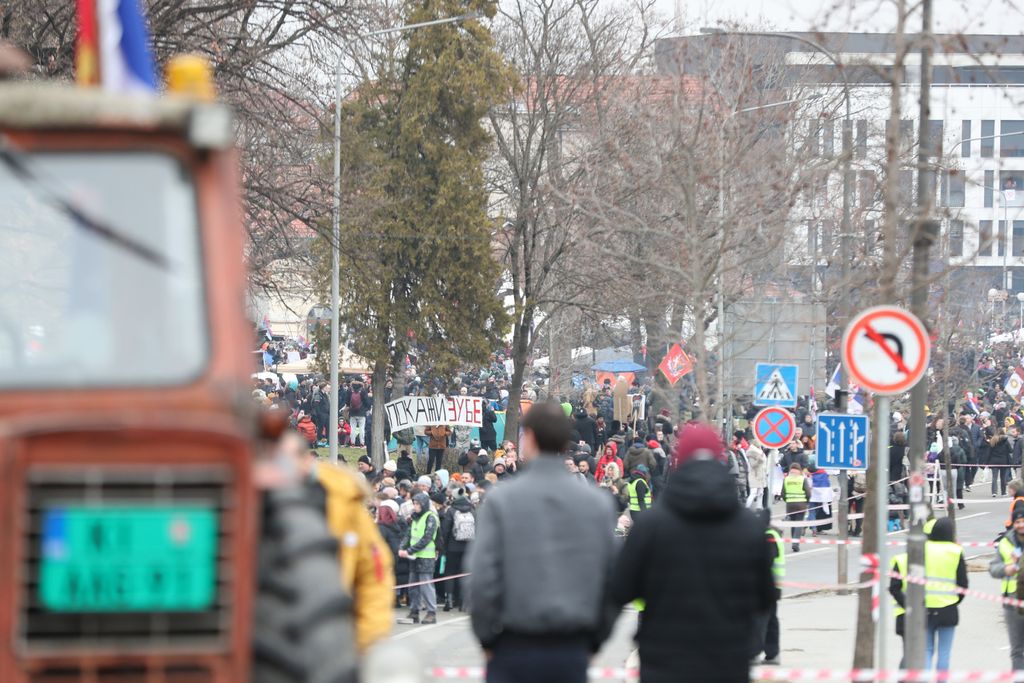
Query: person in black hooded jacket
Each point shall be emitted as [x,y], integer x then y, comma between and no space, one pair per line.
[701,608]
[455,541]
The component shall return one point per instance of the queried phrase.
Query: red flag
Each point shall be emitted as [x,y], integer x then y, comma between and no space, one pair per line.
[87,45]
[676,364]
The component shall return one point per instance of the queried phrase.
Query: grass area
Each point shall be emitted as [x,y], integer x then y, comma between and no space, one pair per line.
[348,453]
[351,455]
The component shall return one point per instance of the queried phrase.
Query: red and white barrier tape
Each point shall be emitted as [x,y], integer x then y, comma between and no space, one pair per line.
[857,541]
[870,562]
[437,580]
[766,673]
[772,673]
[991,597]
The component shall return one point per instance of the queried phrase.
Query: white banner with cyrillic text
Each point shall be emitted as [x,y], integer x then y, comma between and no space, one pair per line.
[423,411]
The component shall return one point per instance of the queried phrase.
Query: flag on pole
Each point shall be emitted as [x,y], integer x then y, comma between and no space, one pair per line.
[833,383]
[1015,384]
[87,67]
[971,402]
[112,46]
[676,364]
[857,400]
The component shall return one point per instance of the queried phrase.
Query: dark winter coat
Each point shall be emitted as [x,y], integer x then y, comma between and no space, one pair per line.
[701,608]
[393,535]
[638,454]
[999,451]
[586,427]
[896,466]
[406,468]
[488,435]
[449,542]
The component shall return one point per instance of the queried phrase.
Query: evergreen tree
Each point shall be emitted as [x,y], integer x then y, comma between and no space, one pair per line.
[417,268]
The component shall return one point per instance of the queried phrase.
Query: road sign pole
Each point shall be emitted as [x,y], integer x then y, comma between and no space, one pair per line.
[882,524]
[843,521]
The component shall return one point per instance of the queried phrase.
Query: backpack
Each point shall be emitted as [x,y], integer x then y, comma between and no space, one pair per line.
[464,526]
[356,401]
[860,483]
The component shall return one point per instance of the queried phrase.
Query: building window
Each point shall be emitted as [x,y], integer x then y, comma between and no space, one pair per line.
[828,228]
[870,238]
[1011,138]
[965,135]
[984,238]
[988,138]
[935,129]
[829,139]
[1012,185]
[990,179]
[956,238]
[866,188]
[813,135]
[812,241]
[1018,239]
[1001,239]
[906,193]
[862,139]
[953,188]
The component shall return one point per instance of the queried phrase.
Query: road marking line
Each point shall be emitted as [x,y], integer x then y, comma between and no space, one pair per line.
[421,629]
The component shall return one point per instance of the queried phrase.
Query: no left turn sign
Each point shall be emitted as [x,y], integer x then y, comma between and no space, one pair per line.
[886,350]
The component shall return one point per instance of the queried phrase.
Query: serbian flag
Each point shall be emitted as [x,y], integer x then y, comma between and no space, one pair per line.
[971,403]
[1015,384]
[112,46]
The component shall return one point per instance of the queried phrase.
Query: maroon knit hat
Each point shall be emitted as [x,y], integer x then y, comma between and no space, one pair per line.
[698,442]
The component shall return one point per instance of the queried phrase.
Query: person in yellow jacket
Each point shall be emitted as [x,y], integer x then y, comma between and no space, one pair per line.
[1006,566]
[365,559]
[945,571]
[796,491]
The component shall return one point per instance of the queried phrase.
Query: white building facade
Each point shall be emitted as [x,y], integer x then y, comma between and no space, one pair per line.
[977,111]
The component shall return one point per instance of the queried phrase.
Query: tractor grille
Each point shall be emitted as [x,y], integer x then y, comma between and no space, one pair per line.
[43,631]
[125,673]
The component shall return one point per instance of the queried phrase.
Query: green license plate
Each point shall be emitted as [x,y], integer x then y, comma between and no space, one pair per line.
[124,558]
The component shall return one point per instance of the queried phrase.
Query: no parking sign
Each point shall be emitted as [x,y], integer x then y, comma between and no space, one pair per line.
[774,427]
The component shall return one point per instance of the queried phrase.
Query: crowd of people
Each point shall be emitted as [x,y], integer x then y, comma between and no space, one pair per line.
[448,503]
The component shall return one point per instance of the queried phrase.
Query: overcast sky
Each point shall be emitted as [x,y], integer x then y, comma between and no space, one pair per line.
[970,16]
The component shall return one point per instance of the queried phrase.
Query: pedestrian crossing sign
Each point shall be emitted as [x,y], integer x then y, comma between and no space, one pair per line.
[775,385]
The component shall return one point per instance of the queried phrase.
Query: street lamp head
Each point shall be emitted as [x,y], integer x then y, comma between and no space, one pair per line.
[1020,297]
[993,293]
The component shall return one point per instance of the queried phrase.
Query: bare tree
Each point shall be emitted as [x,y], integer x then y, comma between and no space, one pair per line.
[569,54]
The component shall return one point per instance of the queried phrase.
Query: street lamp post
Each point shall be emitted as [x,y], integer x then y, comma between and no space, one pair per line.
[332,431]
[725,411]
[847,137]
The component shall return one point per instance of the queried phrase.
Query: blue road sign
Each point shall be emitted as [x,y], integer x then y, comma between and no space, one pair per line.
[775,385]
[842,441]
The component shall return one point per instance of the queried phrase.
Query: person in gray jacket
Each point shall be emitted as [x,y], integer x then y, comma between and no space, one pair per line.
[536,536]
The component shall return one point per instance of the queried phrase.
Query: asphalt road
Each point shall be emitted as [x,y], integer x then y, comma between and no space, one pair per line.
[817,621]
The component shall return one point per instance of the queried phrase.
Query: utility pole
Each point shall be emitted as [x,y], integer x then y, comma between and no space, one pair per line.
[844,259]
[925,229]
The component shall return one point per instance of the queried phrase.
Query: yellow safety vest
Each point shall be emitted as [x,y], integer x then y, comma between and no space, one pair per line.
[1005,549]
[794,488]
[899,565]
[779,563]
[941,558]
[634,496]
[418,529]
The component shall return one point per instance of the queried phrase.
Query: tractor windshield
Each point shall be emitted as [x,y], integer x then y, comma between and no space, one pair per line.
[100,271]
